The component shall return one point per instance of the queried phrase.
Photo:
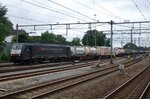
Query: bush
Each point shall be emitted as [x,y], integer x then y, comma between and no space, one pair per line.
[4,56]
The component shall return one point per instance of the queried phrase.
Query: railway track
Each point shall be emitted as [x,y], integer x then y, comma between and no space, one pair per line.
[133,88]
[9,67]
[5,64]
[146,92]
[44,71]
[49,87]
[17,67]
[41,72]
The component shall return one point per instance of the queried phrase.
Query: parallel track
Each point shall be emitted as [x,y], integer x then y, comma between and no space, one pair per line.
[17,67]
[132,88]
[41,72]
[5,64]
[49,87]
[146,92]
[9,67]
[35,73]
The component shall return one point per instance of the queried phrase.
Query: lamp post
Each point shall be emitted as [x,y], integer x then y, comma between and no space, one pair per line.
[111,23]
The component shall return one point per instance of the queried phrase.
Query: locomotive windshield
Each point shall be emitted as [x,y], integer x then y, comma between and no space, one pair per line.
[16,49]
[17,46]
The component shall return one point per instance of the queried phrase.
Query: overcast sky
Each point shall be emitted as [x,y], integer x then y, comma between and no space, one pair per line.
[72,11]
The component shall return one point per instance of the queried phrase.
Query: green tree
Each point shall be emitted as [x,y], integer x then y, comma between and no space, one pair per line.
[36,39]
[89,38]
[5,26]
[76,41]
[129,45]
[107,42]
[60,39]
[47,37]
[23,37]
[68,43]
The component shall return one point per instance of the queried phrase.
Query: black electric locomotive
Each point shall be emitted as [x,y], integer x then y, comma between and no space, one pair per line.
[36,52]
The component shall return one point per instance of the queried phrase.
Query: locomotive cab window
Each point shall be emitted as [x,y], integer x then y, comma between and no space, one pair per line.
[14,47]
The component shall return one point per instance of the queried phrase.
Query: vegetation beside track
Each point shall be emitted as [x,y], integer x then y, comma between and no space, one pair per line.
[4,56]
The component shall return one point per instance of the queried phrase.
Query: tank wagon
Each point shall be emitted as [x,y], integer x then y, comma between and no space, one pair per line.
[103,51]
[83,52]
[35,52]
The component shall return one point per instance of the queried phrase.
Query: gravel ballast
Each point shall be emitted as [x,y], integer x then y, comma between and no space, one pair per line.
[24,82]
[98,88]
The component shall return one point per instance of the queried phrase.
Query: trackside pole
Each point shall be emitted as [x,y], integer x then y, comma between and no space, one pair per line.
[17,33]
[111,23]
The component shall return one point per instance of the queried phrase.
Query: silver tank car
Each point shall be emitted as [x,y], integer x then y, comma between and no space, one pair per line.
[79,50]
[93,51]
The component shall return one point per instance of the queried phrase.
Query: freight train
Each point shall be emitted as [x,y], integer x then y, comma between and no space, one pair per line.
[36,52]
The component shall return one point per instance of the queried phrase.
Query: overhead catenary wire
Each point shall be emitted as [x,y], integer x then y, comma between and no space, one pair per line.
[139,10]
[24,18]
[117,23]
[71,9]
[124,26]
[112,14]
[66,13]
[53,10]
[45,4]
[35,12]
[76,27]
[90,8]
[147,3]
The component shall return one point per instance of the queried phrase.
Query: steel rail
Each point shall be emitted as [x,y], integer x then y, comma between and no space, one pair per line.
[100,72]
[34,66]
[145,92]
[110,95]
[41,72]
[25,67]
[35,73]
